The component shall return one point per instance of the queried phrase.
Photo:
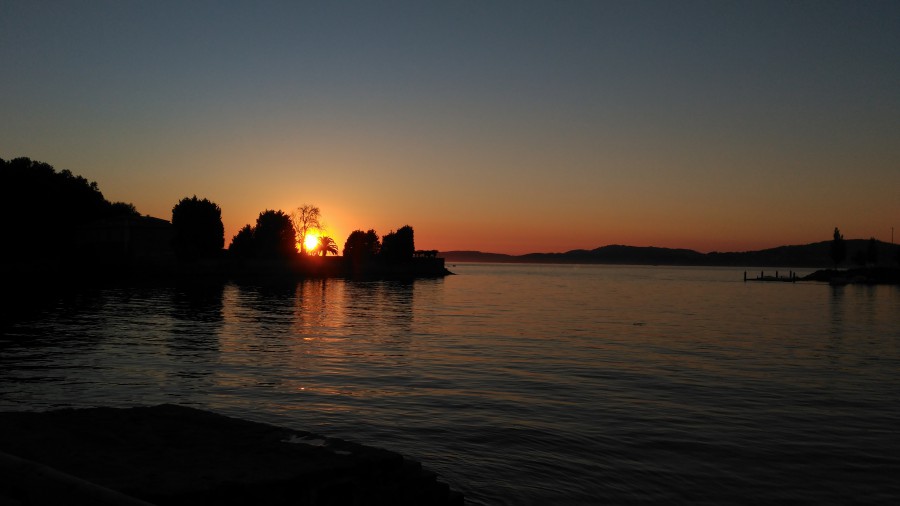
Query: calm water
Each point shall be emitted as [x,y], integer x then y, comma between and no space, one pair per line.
[518,384]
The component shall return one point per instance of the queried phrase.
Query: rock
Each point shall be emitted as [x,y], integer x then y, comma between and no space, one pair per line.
[175,455]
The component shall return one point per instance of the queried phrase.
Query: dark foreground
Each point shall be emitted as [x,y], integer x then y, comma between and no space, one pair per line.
[174,455]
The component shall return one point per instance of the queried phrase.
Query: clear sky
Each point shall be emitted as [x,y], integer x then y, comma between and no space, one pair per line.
[509,127]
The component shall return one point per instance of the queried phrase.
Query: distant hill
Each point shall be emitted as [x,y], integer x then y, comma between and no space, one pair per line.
[808,255]
[618,254]
[478,256]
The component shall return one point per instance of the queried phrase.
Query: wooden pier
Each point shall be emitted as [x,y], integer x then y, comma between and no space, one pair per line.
[790,278]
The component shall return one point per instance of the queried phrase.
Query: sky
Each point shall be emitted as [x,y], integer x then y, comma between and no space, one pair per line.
[501,126]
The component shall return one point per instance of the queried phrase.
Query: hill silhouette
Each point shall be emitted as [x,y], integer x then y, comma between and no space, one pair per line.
[814,255]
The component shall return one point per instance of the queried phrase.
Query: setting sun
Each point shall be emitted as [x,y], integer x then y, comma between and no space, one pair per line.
[311,241]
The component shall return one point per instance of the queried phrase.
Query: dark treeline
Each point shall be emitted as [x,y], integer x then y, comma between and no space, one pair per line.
[45,208]
[273,241]
[395,247]
[61,225]
[272,237]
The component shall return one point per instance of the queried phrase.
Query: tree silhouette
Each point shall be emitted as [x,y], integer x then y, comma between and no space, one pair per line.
[399,246]
[123,209]
[361,247]
[304,219]
[242,244]
[274,235]
[326,246]
[838,248]
[199,232]
[46,208]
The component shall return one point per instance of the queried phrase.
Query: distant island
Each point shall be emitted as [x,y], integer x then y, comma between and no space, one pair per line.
[859,253]
[870,261]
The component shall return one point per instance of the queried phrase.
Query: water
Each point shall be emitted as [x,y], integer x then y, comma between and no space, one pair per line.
[517,384]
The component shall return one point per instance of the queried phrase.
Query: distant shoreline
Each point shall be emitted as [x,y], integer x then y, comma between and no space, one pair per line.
[813,256]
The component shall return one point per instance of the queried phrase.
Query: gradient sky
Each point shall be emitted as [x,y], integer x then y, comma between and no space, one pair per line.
[499,126]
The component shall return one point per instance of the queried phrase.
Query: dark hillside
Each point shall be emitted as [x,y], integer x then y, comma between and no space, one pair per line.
[807,255]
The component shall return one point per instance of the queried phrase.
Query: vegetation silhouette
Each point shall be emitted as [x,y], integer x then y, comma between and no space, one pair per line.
[326,245]
[270,248]
[398,247]
[47,208]
[274,236]
[199,232]
[305,218]
[361,247]
[838,248]
[242,244]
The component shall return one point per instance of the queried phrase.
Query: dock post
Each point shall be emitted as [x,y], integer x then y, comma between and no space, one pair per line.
[745,276]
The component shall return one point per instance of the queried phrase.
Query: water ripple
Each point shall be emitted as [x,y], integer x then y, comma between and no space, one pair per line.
[517,384]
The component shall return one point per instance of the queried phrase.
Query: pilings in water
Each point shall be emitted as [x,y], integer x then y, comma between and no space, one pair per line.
[790,278]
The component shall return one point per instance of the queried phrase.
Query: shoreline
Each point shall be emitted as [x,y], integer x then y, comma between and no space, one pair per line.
[861,275]
[174,455]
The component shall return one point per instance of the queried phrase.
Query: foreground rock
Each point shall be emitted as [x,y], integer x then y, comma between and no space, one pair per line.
[173,455]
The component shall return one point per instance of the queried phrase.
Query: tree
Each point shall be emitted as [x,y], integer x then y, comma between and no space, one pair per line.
[46,209]
[199,232]
[305,219]
[399,246]
[838,248]
[242,244]
[326,246]
[123,209]
[361,247]
[274,235]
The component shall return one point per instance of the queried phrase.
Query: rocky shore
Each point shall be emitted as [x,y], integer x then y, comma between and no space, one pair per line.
[175,455]
[862,275]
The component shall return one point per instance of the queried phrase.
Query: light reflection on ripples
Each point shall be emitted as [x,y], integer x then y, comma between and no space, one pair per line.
[518,384]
